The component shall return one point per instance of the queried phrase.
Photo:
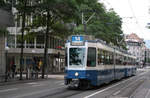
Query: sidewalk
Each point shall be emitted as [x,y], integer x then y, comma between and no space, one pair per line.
[16,80]
[56,76]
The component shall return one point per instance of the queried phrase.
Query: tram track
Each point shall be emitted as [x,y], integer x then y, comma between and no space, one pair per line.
[123,88]
[118,89]
[128,90]
[62,93]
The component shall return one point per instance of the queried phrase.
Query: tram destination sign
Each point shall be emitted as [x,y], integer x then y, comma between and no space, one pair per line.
[77,40]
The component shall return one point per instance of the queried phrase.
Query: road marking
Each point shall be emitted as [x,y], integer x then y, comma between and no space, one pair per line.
[101,91]
[148,93]
[116,93]
[142,73]
[36,85]
[32,83]
[110,87]
[36,92]
[59,82]
[6,90]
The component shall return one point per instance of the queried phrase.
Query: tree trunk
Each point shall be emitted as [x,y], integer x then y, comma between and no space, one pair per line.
[22,39]
[46,45]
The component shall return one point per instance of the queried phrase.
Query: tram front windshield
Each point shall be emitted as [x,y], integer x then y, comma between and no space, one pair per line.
[76,56]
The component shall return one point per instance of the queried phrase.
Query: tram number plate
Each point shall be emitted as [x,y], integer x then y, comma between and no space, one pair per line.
[77,40]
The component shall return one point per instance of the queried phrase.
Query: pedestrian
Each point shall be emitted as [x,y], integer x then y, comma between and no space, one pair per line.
[40,64]
[33,68]
[13,68]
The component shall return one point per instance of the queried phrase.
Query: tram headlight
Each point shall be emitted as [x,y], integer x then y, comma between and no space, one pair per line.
[76,74]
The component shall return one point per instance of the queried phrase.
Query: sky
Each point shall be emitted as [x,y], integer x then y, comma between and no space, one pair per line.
[135,15]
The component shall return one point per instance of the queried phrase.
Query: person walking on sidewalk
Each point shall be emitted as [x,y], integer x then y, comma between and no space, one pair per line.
[13,69]
[40,64]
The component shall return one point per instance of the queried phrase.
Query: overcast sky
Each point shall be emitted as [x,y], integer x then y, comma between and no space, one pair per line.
[134,13]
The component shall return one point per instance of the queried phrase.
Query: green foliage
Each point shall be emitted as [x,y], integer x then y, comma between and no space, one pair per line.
[3,31]
[62,13]
[6,5]
[105,25]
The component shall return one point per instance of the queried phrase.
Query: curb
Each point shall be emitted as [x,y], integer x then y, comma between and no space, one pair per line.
[19,82]
[55,76]
[60,77]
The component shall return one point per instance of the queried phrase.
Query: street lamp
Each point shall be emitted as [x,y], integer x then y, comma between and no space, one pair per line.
[145,56]
[6,56]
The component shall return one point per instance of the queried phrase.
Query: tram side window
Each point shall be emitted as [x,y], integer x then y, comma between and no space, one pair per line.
[117,59]
[111,58]
[100,57]
[91,58]
[124,61]
[106,57]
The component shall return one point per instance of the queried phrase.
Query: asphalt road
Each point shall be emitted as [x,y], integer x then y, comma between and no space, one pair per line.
[133,87]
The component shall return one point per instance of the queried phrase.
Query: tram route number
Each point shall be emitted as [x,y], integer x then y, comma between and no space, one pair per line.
[77,40]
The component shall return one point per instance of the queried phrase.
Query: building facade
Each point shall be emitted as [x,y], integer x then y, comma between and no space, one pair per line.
[147,56]
[136,46]
[6,19]
[33,47]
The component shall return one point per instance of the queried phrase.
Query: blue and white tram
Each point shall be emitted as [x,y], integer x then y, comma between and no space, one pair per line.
[92,63]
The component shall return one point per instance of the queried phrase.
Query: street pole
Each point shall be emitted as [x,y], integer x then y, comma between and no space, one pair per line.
[6,62]
[84,22]
[145,58]
[46,45]
[85,27]
[6,72]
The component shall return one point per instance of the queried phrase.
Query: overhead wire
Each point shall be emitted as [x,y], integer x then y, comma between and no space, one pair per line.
[106,1]
[137,22]
[131,8]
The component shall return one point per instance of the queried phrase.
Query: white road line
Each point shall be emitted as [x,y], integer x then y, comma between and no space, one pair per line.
[6,90]
[101,91]
[32,83]
[116,93]
[147,95]
[110,87]
[59,82]
[36,92]
[126,87]
[142,73]
[37,85]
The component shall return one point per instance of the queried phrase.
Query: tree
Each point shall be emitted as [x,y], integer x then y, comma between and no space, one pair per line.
[3,32]
[105,25]
[24,9]
[59,18]
[53,14]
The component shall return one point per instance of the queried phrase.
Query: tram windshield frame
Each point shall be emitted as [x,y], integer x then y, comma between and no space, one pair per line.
[77,57]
